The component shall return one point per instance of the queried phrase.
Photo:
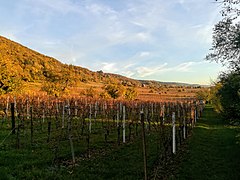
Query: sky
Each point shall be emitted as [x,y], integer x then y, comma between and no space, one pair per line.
[163,40]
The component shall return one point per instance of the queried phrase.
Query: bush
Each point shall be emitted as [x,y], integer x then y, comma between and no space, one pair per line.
[229,94]
[114,91]
[130,94]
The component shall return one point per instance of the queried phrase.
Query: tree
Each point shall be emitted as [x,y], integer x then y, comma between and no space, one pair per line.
[214,97]
[57,83]
[230,8]
[9,80]
[114,90]
[130,93]
[226,44]
[226,49]
[203,95]
[230,94]
[52,88]
[226,36]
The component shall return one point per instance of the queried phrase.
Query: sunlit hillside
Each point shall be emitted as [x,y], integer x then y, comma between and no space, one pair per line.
[24,71]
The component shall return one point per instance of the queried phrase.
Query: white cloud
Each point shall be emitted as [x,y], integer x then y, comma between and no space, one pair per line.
[139,71]
[128,66]
[147,71]
[143,36]
[184,67]
[128,37]
[109,67]
[144,54]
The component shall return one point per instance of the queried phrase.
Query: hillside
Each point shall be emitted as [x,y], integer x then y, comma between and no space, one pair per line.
[20,64]
[25,71]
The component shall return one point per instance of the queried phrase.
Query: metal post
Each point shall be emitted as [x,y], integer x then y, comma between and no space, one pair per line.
[174,133]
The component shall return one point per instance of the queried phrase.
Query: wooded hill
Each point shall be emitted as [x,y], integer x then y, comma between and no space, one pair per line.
[25,71]
[20,65]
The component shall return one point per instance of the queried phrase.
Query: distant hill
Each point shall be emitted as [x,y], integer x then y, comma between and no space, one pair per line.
[157,83]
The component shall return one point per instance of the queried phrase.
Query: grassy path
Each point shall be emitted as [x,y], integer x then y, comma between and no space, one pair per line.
[214,150]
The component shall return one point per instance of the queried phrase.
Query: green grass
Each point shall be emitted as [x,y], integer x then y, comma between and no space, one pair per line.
[108,159]
[213,150]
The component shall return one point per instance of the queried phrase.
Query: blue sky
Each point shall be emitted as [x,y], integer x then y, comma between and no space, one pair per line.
[163,40]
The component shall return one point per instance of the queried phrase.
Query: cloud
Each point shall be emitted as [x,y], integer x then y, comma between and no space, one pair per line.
[128,66]
[144,54]
[139,71]
[184,67]
[102,10]
[142,36]
[57,6]
[147,71]
[109,67]
[138,38]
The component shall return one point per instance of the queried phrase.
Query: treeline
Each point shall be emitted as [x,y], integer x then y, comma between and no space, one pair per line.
[226,50]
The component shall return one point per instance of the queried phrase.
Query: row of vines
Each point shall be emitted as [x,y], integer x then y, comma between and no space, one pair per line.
[74,129]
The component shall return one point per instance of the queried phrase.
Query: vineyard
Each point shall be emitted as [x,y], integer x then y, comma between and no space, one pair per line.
[69,134]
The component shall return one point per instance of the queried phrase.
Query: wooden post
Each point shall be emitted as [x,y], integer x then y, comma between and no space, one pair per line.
[13,118]
[31,116]
[163,110]
[152,115]
[173,133]
[90,119]
[117,114]
[43,116]
[146,119]
[15,106]
[76,109]
[195,116]
[63,114]
[49,131]
[69,133]
[124,124]
[7,108]
[27,108]
[120,111]
[184,125]
[118,130]
[144,146]
[95,112]
[56,116]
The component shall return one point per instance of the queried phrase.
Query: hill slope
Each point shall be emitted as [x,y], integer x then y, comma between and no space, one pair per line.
[23,65]
[29,72]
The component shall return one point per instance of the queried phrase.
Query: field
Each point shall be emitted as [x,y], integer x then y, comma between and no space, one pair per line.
[155,92]
[89,138]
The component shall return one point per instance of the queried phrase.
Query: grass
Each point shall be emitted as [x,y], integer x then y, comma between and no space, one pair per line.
[108,160]
[213,151]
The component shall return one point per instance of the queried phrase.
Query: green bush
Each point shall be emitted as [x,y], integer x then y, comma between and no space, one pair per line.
[229,94]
